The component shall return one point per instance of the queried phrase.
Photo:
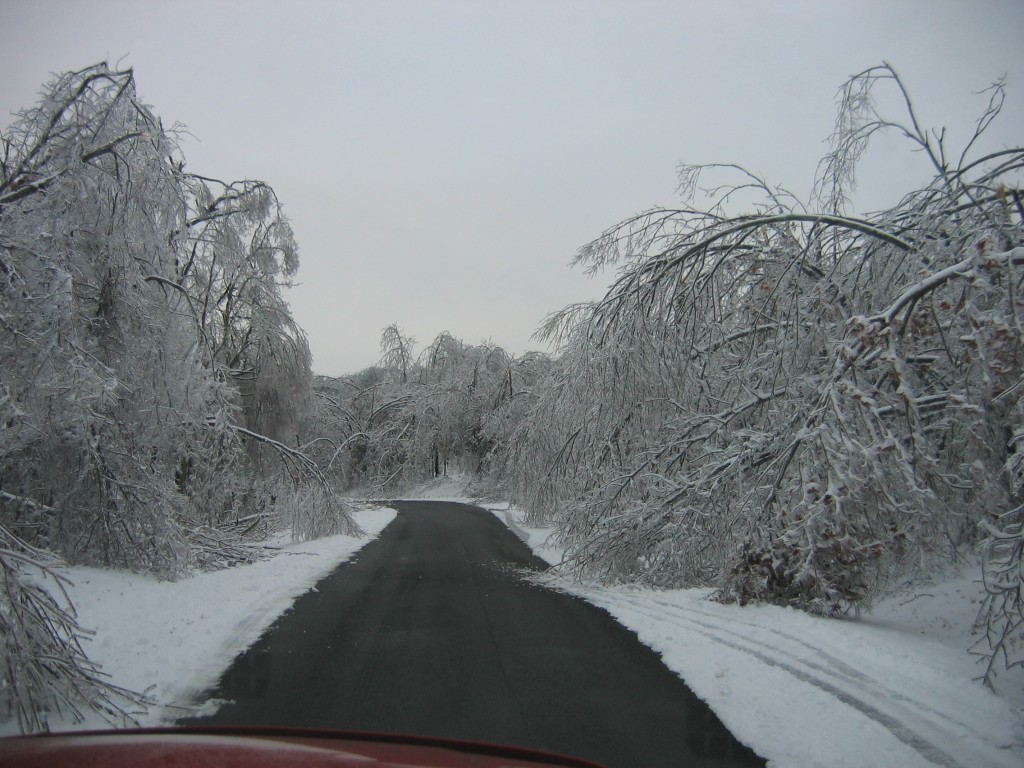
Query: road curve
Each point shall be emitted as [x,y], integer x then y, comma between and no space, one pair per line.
[433,630]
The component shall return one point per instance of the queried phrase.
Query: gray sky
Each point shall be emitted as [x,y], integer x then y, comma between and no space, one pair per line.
[442,161]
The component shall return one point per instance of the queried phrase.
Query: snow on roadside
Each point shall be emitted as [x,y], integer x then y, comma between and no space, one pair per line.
[896,687]
[540,540]
[173,640]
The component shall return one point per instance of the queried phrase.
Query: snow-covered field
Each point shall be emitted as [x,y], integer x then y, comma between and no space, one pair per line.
[893,688]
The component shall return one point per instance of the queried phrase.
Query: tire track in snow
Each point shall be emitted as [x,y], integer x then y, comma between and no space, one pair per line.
[899,729]
[836,667]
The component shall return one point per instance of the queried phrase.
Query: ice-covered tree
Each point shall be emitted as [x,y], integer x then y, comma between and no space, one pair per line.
[792,402]
[411,417]
[145,344]
[241,253]
[397,352]
[101,382]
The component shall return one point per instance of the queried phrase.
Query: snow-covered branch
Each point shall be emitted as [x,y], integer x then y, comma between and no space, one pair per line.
[890,345]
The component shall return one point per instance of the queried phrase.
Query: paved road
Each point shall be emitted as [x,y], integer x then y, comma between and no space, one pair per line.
[433,630]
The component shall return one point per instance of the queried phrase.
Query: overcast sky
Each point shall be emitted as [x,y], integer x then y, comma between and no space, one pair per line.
[441,162]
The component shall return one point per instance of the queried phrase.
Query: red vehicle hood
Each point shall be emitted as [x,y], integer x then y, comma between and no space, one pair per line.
[262,747]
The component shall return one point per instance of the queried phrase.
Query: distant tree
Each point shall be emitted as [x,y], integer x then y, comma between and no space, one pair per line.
[510,429]
[411,418]
[396,351]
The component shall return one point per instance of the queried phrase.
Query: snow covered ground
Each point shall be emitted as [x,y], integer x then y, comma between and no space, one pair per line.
[895,688]
[173,640]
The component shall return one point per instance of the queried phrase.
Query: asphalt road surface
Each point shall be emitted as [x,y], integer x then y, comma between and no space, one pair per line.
[435,629]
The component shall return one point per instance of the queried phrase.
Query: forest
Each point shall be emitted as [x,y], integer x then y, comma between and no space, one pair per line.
[786,401]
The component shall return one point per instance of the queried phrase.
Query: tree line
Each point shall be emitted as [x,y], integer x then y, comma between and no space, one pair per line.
[417,415]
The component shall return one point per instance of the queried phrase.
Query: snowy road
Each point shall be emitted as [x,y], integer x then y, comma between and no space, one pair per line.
[434,630]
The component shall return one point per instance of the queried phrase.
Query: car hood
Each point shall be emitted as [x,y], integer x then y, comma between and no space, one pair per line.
[259,747]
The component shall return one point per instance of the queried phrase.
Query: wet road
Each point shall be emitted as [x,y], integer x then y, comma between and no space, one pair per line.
[433,630]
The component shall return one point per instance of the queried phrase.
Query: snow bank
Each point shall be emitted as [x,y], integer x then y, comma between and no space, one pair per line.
[173,640]
[896,687]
